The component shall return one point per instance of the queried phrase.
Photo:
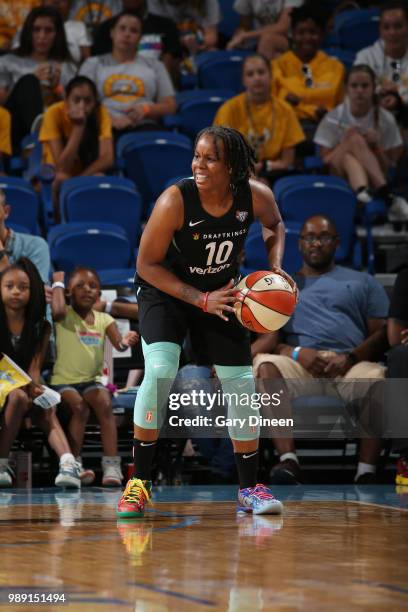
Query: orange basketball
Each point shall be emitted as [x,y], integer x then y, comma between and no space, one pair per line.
[265,301]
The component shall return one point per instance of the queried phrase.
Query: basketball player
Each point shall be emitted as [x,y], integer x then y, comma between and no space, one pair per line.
[188,258]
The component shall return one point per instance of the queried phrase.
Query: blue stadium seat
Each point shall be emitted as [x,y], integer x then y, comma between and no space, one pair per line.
[24,202]
[230,19]
[222,70]
[103,198]
[345,56]
[255,252]
[197,111]
[117,277]
[90,245]
[150,159]
[18,228]
[304,199]
[284,183]
[357,29]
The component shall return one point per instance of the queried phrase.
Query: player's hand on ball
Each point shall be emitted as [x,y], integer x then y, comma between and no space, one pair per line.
[130,339]
[289,279]
[312,362]
[218,301]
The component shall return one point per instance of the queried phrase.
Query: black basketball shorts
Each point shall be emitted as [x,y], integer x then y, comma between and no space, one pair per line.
[163,318]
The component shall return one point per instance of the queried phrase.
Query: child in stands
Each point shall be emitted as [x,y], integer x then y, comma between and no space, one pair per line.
[24,336]
[80,336]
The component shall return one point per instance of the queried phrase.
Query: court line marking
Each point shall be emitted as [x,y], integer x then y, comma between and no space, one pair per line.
[366,503]
[383,585]
[192,598]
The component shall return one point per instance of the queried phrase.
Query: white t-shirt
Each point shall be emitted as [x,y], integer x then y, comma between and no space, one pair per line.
[210,16]
[76,35]
[333,125]
[264,11]
[386,67]
[121,85]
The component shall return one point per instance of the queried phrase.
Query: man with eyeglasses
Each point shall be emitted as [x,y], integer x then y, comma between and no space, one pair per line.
[336,333]
[388,57]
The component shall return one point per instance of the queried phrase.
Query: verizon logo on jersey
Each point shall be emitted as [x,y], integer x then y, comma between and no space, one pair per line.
[209,269]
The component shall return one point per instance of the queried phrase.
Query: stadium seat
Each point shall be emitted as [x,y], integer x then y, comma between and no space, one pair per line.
[18,228]
[24,202]
[357,29]
[103,198]
[229,20]
[150,159]
[122,277]
[304,199]
[100,246]
[345,56]
[197,111]
[222,70]
[284,183]
[256,257]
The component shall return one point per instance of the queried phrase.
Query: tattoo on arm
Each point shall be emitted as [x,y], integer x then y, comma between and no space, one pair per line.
[189,294]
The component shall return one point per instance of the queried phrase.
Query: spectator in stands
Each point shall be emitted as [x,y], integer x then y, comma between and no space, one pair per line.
[37,71]
[337,332]
[24,337]
[264,23]
[12,16]
[5,137]
[94,13]
[77,134]
[80,338]
[388,58]
[197,21]
[306,77]
[14,245]
[137,90]
[269,124]
[160,38]
[398,361]
[360,141]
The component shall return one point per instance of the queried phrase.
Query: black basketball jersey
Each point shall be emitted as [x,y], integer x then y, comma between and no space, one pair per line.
[205,251]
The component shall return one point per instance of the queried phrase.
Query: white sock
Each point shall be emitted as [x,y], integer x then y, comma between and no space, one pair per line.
[290,455]
[67,458]
[364,468]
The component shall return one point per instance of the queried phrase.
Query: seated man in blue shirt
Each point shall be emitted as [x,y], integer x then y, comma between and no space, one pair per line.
[337,332]
[14,245]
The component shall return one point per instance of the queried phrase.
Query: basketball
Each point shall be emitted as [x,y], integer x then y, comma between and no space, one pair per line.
[265,301]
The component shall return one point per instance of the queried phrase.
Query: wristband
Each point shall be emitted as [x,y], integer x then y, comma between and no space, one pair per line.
[145,109]
[123,347]
[108,307]
[57,284]
[295,353]
[205,301]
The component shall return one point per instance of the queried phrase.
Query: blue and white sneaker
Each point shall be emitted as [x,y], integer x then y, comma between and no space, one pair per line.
[68,475]
[258,500]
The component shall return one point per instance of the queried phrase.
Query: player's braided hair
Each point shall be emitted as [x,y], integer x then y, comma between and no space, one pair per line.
[238,154]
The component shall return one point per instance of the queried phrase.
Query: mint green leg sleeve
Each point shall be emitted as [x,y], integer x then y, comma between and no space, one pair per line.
[161,366]
[238,387]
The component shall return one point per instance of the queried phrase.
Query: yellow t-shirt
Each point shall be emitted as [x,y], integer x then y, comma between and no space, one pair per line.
[80,348]
[56,124]
[5,131]
[12,17]
[270,127]
[327,75]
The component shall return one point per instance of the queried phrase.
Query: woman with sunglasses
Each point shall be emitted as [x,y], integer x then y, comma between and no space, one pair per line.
[307,78]
[359,141]
[388,58]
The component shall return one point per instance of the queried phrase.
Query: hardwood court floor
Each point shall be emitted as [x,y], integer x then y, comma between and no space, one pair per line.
[335,548]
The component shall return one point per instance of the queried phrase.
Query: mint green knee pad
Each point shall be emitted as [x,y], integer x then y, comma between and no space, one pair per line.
[161,366]
[238,385]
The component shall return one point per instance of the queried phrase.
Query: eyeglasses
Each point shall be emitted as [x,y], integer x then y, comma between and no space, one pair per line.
[396,71]
[323,238]
[307,71]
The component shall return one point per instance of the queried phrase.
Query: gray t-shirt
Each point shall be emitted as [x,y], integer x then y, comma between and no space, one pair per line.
[209,16]
[386,68]
[13,67]
[144,80]
[333,125]
[264,11]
